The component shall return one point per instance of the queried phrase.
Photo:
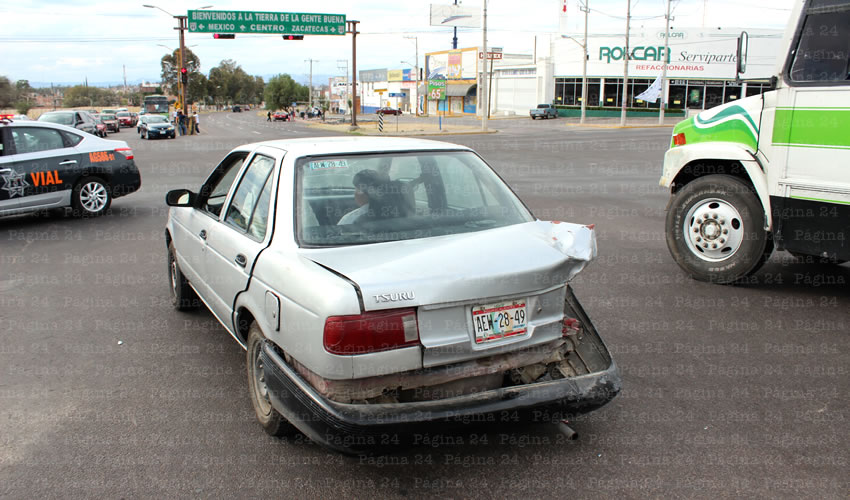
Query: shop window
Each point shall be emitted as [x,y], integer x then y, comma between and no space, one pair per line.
[755,89]
[713,96]
[676,98]
[695,95]
[731,93]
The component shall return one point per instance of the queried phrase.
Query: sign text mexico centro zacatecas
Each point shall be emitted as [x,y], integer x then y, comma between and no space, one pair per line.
[288,23]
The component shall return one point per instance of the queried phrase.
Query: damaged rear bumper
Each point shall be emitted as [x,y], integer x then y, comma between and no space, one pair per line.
[353,428]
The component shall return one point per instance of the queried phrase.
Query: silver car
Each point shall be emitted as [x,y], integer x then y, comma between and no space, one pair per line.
[383,284]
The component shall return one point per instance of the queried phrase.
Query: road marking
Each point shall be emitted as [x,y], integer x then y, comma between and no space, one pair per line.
[254,131]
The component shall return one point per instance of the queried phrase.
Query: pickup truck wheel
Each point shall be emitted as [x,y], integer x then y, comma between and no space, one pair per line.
[183,297]
[273,422]
[715,230]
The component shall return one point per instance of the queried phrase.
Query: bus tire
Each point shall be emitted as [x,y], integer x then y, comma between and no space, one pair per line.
[715,230]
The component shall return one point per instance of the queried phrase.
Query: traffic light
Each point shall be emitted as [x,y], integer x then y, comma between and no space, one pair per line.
[224,36]
[293,37]
[184,75]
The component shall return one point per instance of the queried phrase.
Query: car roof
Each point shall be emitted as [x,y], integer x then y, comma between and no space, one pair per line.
[342,144]
[36,123]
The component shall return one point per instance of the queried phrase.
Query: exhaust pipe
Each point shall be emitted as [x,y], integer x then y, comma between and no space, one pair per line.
[567,431]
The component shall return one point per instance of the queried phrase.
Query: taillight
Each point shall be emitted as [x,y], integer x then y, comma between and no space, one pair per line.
[127,152]
[679,139]
[371,332]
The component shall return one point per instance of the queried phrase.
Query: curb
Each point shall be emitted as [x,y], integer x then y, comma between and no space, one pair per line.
[360,131]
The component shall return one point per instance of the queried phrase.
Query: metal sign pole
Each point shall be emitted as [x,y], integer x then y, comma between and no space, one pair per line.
[352,28]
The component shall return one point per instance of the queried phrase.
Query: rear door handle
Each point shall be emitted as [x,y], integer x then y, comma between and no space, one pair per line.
[241,260]
[68,162]
[203,234]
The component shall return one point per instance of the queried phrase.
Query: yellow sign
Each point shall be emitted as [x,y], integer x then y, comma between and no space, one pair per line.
[395,75]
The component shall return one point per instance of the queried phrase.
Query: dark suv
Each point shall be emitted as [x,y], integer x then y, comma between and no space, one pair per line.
[81,120]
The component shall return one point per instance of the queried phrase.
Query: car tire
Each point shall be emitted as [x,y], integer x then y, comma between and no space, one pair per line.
[715,230]
[270,419]
[183,296]
[90,197]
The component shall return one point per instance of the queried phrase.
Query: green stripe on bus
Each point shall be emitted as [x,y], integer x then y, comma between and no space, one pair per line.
[820,199]
[813,127]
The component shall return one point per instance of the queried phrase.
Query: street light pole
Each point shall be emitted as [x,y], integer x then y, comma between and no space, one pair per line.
[664,60]
[483,90]
[416,106]
[586,10]
[626,66]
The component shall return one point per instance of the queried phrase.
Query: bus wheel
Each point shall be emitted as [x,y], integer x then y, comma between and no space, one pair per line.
[715,229]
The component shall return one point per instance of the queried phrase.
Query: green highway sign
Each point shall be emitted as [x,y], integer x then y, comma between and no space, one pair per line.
[276,23]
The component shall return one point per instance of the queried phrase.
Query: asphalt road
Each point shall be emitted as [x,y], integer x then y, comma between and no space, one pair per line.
[105,391]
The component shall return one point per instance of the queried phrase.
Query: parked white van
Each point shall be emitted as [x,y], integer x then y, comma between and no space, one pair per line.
[771,170]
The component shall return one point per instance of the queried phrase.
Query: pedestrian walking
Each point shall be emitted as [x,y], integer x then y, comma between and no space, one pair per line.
[197,123]
[181,122]
[269,116]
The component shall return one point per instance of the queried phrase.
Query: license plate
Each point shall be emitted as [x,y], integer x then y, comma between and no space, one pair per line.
[491,322]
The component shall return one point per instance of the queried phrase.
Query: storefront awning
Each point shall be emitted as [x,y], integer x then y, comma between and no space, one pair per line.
[460,90]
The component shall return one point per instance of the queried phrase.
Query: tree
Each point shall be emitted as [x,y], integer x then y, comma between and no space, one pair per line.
[83,96]
[198,88]
[282,91]
[170,64]
[7,92]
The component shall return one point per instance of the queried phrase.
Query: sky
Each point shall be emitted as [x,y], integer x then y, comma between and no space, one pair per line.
[73,41]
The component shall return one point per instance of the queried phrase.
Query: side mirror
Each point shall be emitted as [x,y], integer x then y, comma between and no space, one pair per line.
[741,59]
[180,198]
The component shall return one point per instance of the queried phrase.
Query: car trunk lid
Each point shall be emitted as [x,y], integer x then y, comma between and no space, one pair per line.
[452,279]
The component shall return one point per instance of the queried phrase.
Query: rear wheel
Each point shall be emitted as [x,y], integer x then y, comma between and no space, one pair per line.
[91,197]
[273,422]
[715,229]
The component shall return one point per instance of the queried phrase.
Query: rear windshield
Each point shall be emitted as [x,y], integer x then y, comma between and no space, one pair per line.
[124,114]
[357,199]
[60,118]
[541,106]
[107,117]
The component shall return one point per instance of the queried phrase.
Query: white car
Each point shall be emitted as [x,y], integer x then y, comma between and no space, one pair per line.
[379,284]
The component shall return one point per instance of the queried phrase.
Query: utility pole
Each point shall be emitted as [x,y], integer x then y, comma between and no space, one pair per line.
[586,10]
[310,98]
[626,66]
[181,27]
[417,68]
[352,28]
[125,77]
[344,69]
[664,60]
[482,90]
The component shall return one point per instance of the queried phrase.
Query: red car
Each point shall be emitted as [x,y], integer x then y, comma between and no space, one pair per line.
[386,110]
[125,119]
[280,116]
[101,129]
[111,122]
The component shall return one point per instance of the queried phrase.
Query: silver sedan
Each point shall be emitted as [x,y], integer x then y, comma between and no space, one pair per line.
[383,284]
